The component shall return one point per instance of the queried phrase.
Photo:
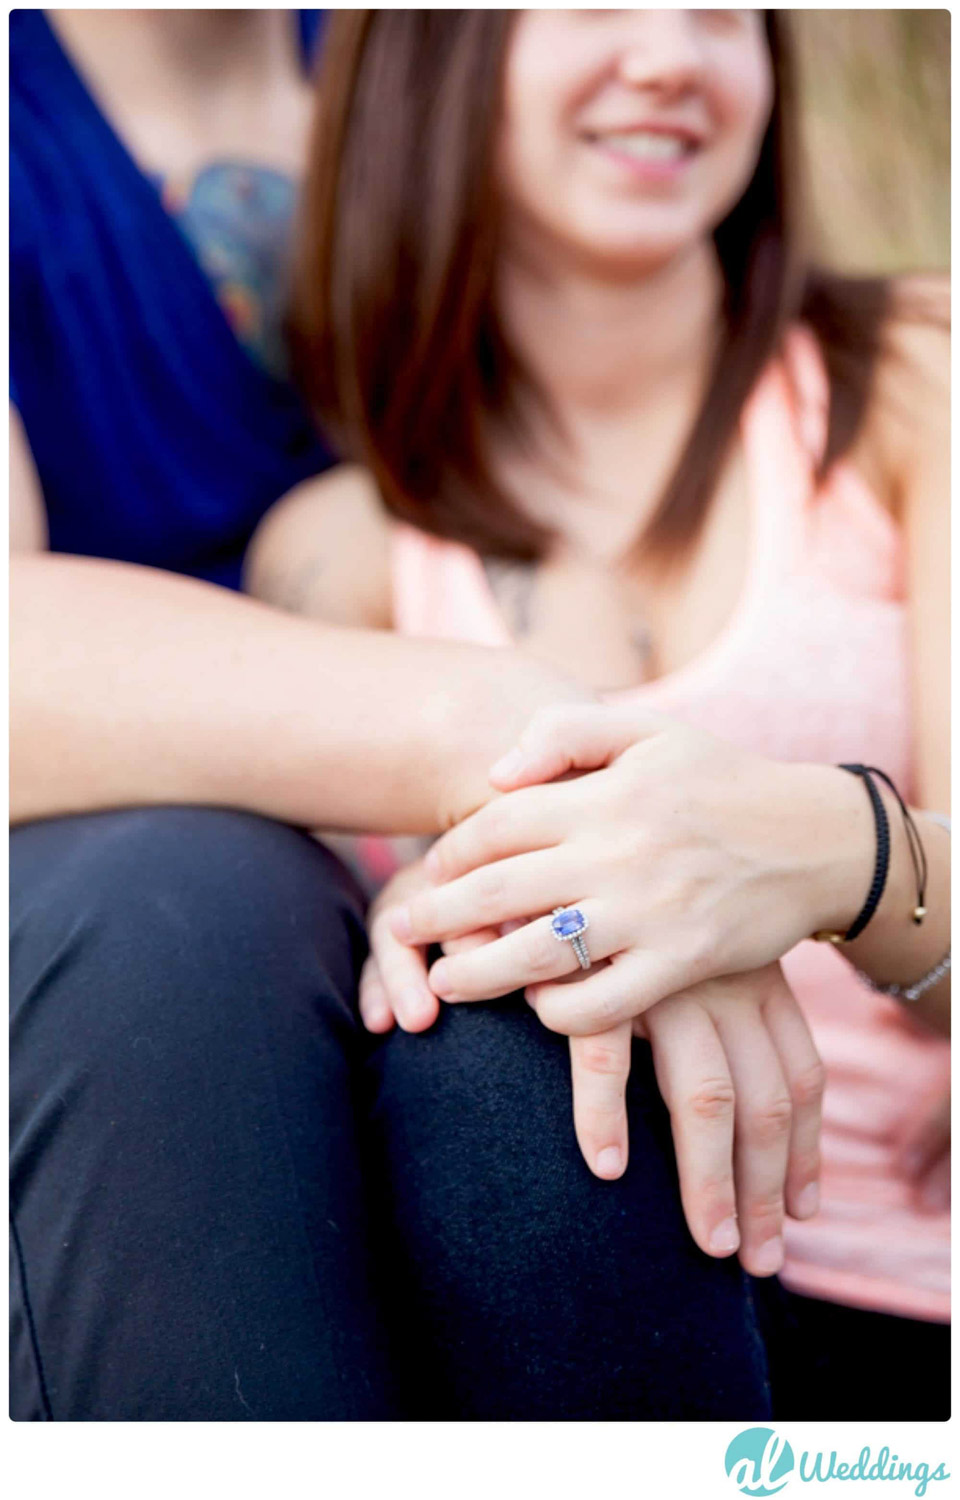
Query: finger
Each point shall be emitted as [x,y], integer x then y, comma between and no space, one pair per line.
[694,1080]
[531,954]
[403,975]
[534,818]
[804,1073]
[933,1188]
[624,988]
[762,1122]
[471,940]
[501,892]
[572,737]
[375,1012]
[600,1067]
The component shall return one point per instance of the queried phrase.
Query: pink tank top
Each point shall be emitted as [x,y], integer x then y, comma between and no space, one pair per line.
[812,667]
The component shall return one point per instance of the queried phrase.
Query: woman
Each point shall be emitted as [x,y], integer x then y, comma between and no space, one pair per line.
[226,1202]
[669,455]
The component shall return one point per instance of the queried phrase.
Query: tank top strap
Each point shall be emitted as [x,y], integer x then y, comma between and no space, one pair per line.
[440,589]
[807,373]
[783,430]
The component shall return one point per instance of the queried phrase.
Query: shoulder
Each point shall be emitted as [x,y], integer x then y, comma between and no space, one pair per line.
[904,441]
[324,550]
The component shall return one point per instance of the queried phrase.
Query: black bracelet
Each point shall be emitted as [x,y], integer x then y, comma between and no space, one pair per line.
[882,864]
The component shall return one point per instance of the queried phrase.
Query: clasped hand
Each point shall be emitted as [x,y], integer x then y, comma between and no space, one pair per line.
[697,870]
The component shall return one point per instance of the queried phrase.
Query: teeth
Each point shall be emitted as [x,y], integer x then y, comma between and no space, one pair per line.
[648,145]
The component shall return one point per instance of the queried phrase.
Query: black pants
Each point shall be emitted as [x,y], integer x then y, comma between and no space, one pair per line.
[230,1203]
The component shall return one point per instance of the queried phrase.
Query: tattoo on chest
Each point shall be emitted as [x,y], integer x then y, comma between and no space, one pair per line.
[238,219]
[513,584]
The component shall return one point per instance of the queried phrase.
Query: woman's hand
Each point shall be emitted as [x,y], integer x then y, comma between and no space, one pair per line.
[393,980]
[735,1064]
[690,857]
[738,1070]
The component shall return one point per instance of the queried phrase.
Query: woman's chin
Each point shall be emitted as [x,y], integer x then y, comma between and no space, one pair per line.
[629,258]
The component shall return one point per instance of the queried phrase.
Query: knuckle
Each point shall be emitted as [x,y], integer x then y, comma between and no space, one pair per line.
[701,954]
[713,1099]
[716,1192]
[423,916]
[490,827]
[551,1014]
[805,1165]
[488,890]
[766,1123]
[599,1057]
[766,1206]
[379,930]
[443,854]
[540,959]
[369,977]
[606,1009]
[809,1084]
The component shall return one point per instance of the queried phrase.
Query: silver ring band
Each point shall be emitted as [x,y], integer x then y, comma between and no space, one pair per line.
[580,949]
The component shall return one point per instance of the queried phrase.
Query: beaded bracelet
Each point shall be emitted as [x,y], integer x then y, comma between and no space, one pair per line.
[910,991]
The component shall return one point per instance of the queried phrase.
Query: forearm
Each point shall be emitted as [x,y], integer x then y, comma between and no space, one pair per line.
[892,949]
[132,686]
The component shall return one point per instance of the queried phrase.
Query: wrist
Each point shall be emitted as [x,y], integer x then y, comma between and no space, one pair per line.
[485,717]
[837,831]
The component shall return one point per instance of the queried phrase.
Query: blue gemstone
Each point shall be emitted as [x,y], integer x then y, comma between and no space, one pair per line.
[567,924]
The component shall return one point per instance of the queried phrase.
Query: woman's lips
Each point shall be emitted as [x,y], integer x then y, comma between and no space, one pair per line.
[650,156]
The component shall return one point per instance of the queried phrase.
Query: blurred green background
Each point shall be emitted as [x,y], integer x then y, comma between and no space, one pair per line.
[875,91]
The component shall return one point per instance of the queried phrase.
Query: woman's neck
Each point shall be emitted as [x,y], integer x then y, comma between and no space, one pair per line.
[611,348]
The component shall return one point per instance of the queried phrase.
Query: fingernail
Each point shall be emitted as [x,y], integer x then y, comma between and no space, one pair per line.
[417,1006]
[610,1161]
[808,1199]
[440,979]
[725,1237]
[508,765]
[400,924]
[769,1257]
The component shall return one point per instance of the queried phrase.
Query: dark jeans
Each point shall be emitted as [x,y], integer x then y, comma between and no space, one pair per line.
[230,1203]
[829,1363]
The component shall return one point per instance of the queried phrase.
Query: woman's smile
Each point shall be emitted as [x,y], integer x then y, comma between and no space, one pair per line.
[649,154]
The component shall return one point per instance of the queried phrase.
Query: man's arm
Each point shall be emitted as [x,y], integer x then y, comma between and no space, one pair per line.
[132,686]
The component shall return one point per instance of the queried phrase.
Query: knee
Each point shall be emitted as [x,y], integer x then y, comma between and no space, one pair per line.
[170,921]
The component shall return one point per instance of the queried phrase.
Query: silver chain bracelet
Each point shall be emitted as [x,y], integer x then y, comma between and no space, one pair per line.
[920,986]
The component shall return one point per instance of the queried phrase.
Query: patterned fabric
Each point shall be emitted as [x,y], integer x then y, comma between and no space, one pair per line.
[813,666]
[239,220]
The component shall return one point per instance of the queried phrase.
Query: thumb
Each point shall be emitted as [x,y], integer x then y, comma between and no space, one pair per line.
[573,737]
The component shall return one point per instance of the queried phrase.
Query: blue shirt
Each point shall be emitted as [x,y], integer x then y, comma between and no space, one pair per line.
[157,438]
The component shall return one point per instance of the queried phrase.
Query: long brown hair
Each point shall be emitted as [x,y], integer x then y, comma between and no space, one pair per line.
[395,337]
